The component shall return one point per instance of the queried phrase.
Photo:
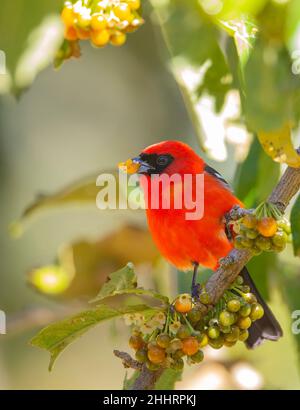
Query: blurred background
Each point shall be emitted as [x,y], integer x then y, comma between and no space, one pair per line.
[73,124]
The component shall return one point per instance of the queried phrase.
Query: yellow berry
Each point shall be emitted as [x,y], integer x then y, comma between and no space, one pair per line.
[118,38]
[100,38]
[82,34]
[98,22]
[134,4]
[122,11]
[68,16]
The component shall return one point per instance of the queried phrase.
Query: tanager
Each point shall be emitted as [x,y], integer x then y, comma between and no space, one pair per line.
[189,242]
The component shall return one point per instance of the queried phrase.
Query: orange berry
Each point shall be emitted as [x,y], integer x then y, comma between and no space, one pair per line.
[136,342]
[267,226]
[183,303]
[98,22]
[156,354]
[68,16]
[118,38]
[100,38]
[122,11]
[82,34]
[190,346]
[70,34]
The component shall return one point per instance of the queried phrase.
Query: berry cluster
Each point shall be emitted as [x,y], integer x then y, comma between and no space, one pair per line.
[102,22]
[181,332]
[264,229]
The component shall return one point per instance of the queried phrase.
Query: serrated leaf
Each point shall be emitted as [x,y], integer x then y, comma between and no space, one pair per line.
[56,337]
[123,279]
[168,379]
[124,282]
[295,225]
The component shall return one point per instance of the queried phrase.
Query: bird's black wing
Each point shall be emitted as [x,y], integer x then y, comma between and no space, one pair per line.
[218,176]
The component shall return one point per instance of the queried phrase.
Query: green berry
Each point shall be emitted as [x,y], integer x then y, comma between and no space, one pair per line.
[183,332]
[249,297]
[197,357]
[244,322]
[226,318]
[263,243]
[238,242]
[152,366]
[245,289]
[251,233]
[280,239]
[233,335]
[213,332]
[244,334]
[233,305]
[141,355]
[178,354]
[194,315]
[225,329]
[216,343]
[204,298]
[245,310]
[239,280]
[178,364]
[257,312]
[163,340]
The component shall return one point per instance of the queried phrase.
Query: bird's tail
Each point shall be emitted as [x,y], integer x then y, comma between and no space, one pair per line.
[265,328]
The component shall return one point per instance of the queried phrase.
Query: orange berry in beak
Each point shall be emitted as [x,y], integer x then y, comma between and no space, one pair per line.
[129,166]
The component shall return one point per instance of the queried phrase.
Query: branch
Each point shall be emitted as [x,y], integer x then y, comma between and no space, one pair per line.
[230,266]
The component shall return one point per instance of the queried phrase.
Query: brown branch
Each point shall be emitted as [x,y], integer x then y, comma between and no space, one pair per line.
[128,361]
[231,266]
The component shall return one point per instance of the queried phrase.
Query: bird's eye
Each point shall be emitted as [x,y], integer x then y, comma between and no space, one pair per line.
[162,160]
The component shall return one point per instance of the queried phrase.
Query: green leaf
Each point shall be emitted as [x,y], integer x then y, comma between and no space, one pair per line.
[295,224]
[256,176]
[129,381]
[123,279]
[30,34]
[123,282]
[271,87]
[56,337]
[168,379]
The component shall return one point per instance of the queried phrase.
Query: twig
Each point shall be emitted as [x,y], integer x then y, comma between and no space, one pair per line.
[223,277]
[128,361]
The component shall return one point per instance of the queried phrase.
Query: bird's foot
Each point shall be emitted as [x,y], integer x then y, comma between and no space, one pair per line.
[226,261]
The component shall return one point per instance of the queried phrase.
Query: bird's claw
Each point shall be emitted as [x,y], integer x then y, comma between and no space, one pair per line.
[195,290]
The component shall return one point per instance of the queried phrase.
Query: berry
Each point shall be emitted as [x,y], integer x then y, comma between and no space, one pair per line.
[245,310]
[203,340]
[156,354]
[183,303]
[238,242]
[226,318]
[233,335]
[122,11]
[194,315]
[225,329]
[100,38]
[70,34]
[183,332]
[82,34]
[280,238]
[244,334]
[233,305]
[229,344]
[251,233]
[134,4]
[244,322]
[263,243]
[190,346]
[178,364]
[197,357]
[141,355]
[136,342]
[83,20]
[257,312]
[204,298]
[178,354]
[213,332]
[175,344]
[249,297]
[98,22]
[67,16]
[267,226]
[118,38]
[216,343]
[249,221]
[163,340]
[239,280]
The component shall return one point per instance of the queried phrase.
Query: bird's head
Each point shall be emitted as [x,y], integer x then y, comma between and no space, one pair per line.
[165,157]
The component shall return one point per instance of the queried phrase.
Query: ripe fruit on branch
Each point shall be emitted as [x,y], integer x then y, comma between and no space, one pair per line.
[102,22]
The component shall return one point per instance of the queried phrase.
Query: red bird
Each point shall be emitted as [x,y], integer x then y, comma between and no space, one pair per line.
[188,243]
